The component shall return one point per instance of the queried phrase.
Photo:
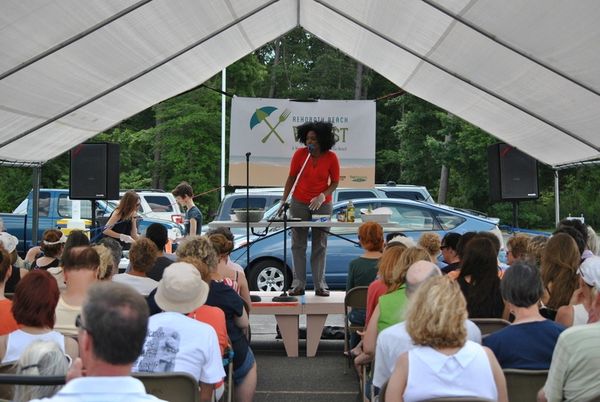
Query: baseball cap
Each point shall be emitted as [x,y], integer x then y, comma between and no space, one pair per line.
[8,241]
[590,271]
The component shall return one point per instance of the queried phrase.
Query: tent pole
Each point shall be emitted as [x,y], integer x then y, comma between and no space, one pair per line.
[35,207]
[223,123]
[556,199]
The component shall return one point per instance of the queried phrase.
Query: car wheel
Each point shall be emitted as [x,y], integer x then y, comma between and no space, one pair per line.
[267,276]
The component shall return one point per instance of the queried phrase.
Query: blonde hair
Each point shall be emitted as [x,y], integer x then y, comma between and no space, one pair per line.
[436,314]
[106,269]
[40,358]
[431,242]
[408,258]
[535,249]
[199,247]
[199,264]
[387,262]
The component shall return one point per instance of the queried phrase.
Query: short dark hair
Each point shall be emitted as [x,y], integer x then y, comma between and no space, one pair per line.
[77,258]
[324,131]
[116,317]
[522,284]
[158,234]
[390,236]
[35,299]
[75,239]
[451,240]
[577,225]
[183,189]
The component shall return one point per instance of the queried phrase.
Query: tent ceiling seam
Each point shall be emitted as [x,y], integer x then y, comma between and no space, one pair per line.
[138,75]
[511,48]
[458,76]
[74,39]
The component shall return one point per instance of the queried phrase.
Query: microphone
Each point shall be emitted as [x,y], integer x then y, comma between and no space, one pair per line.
[310,147]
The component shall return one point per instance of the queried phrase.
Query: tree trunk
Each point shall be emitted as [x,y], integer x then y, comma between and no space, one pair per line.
[444,175]
[358,81]
[274,69]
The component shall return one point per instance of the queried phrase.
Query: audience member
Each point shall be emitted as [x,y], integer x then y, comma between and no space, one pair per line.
[431,242]
[384,281]
[176,342]
[227,233]
[40,358]
[106,268]
[560,261]
[76,238]
[535,249]
[576,235]
[394,340]
[465,238]
[580,227]
[9,243]
[116,251]
[592,241]
[7,320]
[573,374]
[362,271]
[449,252]
[80,266]
[443,363]
[577,312]
[158,234]
[33,307]
[479,281]
[399,238]
[224,297]
[232,277]
[142,257]
[48,254]
[516,248]
[529,342]
[112,328]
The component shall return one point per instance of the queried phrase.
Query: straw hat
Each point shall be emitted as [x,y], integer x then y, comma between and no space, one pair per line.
[181,289]
[8,241]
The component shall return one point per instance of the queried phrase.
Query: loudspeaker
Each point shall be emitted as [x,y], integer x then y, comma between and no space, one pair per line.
[94,172]
[513,174]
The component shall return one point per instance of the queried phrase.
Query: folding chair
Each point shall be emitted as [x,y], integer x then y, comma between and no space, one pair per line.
[173,387]
[459,399]
[355,298]
[490,325]
[8,379]
[228,364]
[7,389]
[523,385]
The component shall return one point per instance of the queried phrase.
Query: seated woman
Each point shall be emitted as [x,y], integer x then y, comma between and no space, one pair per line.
[529,342]
[443,363]
[578,310]
[362,271]
[142,257]
[432,243]
[48,254]
[7,321]
[34,304]
[41,358]
[479,280]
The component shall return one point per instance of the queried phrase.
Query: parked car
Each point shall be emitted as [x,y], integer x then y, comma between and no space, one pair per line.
[265,271]
[55,205]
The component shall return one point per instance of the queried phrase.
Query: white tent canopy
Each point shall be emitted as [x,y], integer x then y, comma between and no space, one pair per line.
[527,72]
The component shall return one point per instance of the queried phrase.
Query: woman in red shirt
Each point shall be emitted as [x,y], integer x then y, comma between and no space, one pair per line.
[314,175]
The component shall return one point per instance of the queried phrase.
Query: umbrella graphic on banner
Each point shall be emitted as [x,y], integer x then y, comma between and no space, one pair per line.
[261,115]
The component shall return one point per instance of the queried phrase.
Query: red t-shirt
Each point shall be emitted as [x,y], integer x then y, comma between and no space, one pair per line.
[7,321]
[376,288]
[316,177]
[215,317]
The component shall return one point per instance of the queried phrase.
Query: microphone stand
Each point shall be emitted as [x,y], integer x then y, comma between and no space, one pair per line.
[284,297]
[254,298]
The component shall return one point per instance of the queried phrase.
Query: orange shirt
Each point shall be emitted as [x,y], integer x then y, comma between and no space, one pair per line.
[7,321]
[376,288]
[215,317]
[316,177]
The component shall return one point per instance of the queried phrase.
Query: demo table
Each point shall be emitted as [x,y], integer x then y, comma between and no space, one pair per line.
[287,316]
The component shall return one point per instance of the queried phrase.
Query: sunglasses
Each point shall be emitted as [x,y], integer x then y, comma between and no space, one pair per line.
[79,324]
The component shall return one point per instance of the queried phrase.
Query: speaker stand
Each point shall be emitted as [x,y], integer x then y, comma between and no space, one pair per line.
[515,214]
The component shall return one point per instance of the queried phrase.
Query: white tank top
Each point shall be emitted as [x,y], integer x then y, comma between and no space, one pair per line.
[580,315]
[432,374]
[19,340]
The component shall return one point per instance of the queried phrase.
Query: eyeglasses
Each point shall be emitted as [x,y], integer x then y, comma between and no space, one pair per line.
[79,324]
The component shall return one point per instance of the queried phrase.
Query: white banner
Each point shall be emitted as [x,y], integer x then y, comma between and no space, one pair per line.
[266,128]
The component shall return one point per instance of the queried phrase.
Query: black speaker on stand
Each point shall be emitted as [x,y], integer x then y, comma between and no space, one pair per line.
[513,176]
[94,174]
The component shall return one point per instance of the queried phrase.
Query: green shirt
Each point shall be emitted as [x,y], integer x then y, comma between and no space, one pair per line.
[573,374]
[361,272]
[391,309]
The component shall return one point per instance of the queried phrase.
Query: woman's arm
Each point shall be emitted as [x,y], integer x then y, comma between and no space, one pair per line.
[134,233]
[114,218]
[244,290]
[397,382]
[498,376]
[288,187]
[370,338]
[564,315]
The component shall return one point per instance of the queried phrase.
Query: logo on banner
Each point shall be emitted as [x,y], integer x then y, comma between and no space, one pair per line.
[263,118]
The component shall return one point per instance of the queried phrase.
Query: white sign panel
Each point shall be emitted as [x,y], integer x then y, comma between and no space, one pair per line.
[266,129]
